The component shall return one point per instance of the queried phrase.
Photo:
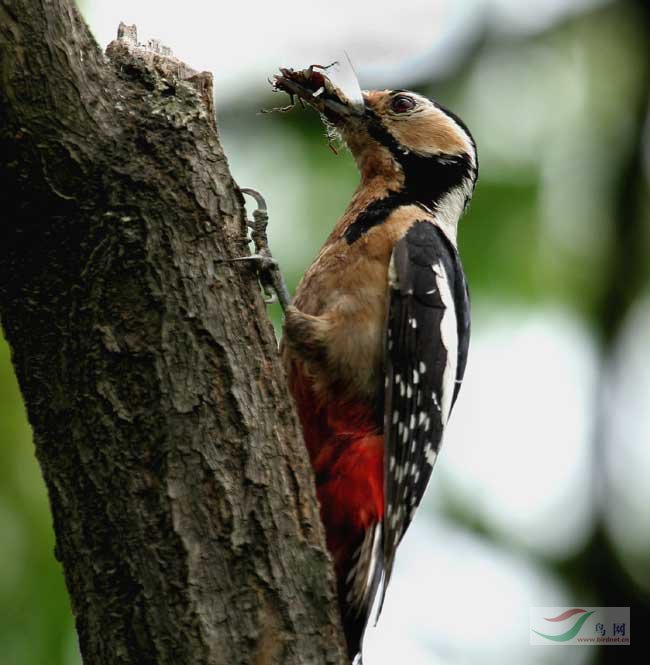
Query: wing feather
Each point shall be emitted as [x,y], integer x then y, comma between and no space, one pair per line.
[426,337]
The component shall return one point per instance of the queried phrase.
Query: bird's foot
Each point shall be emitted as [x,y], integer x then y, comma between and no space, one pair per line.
[270,277]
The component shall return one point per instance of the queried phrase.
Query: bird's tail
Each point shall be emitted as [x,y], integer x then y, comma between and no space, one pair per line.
[357,588]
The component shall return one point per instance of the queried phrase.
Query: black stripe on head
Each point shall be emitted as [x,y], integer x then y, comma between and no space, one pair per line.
[427,179]
[460,123]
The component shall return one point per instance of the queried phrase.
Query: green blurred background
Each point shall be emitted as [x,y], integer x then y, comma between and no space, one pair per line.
[541,495]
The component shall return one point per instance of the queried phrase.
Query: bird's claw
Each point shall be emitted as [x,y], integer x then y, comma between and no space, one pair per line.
[269,274]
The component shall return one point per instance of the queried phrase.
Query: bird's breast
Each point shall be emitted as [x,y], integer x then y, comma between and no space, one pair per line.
[348,284]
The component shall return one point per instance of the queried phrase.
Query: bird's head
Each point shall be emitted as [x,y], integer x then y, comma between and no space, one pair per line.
[420,149]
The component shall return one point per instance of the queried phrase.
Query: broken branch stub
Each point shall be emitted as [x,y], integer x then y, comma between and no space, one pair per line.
[127,51]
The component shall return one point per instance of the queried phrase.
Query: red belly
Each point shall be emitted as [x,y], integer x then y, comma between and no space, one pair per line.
[346,453]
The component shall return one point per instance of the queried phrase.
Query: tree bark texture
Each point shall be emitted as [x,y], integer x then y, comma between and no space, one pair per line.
[183,503]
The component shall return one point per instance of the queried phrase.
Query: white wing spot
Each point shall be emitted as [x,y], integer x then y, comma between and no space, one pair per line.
[416,376]
[423,367]
[430,454]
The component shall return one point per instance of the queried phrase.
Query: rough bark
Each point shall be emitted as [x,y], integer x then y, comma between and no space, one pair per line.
[183,503]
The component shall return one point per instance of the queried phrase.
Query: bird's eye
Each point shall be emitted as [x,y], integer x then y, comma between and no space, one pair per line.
[402,104]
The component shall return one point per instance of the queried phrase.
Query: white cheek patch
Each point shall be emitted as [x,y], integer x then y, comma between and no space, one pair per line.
[449,210]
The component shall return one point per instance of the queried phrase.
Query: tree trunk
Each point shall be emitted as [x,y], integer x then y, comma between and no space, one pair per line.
[183,503]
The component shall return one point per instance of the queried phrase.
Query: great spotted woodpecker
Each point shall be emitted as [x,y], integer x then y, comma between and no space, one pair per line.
[375,342]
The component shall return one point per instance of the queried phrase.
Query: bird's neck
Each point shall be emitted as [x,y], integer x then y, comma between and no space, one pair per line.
[377,197]
[392,177]
[434,181]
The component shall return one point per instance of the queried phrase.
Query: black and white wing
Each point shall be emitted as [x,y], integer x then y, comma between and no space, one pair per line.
[427,337]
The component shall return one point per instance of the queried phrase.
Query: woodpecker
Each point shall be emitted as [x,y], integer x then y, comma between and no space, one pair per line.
[375,342]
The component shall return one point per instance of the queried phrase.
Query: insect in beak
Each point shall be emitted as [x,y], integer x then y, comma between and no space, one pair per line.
[332,90]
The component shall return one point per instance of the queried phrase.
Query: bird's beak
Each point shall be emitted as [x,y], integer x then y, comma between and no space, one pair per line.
[333,91]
